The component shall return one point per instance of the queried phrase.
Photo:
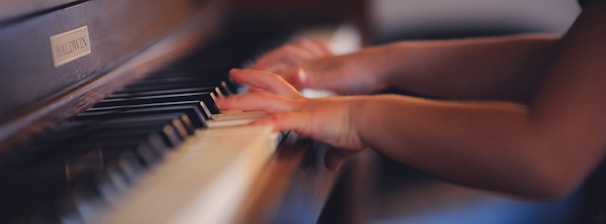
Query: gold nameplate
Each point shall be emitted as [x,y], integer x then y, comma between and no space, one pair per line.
[70,45]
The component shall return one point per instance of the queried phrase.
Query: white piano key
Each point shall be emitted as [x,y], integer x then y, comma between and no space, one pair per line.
[234,119]
[202,181]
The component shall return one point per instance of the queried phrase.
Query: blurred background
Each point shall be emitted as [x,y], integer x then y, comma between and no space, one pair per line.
[414,19]
[388,20]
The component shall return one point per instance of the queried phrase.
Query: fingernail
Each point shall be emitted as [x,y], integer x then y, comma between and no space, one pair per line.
[276,68]
[302,77]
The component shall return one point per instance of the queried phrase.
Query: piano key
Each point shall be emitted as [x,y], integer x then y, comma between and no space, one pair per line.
[67,212]
[148,154]
[154,91]
[208,98]
[155,85]
[181,77]
[110,185]
[119,122]
[222,81]
[192,111]
[88,201]
[233,119]
[195,103]
[238,154]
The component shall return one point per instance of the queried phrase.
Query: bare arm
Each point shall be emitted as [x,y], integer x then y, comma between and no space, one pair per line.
[543,150]
[488,68]
[493,68]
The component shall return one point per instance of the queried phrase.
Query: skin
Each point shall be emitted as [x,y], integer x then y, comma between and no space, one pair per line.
[452,69]
[528,118]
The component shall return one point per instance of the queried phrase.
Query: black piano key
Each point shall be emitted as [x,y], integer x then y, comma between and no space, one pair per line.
[155,91]
[195,103]
[173,131]
[208,98]
[188,123]
[213,68]
[172,135]
[113,149]
[148,154]
[123,122]
[182,77]
[88,201]
[149,150]
[110,190]
[136,106]
[153,99]
[220,80]
[130,166]
[116,179]
[168,87]
[67,211]
[195,115]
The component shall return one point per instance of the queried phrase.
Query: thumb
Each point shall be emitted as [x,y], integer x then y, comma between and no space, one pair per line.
[335,158]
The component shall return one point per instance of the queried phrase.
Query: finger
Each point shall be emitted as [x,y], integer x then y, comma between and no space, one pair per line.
[259,101]
[286,121]
[289,55]
[316,47]
[268,59]
[255,90]
[303,78]
[277,68]
[265,80]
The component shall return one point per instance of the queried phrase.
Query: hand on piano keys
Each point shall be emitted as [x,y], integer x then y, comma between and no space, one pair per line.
[323,119]
[320,62]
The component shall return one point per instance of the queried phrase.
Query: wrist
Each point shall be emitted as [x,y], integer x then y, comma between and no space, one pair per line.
[362,72]
[360,117]
[397,63]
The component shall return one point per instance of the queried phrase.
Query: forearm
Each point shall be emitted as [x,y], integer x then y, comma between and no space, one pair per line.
[491,146]
[496,68]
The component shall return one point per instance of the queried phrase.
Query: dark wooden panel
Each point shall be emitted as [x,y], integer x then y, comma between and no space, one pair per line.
[10,9]
[117,30]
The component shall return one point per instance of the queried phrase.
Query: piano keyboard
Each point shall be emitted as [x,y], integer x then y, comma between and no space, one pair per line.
[159,146]
[187,187]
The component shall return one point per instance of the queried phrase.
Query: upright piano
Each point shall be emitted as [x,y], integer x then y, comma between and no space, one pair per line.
[107,116]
